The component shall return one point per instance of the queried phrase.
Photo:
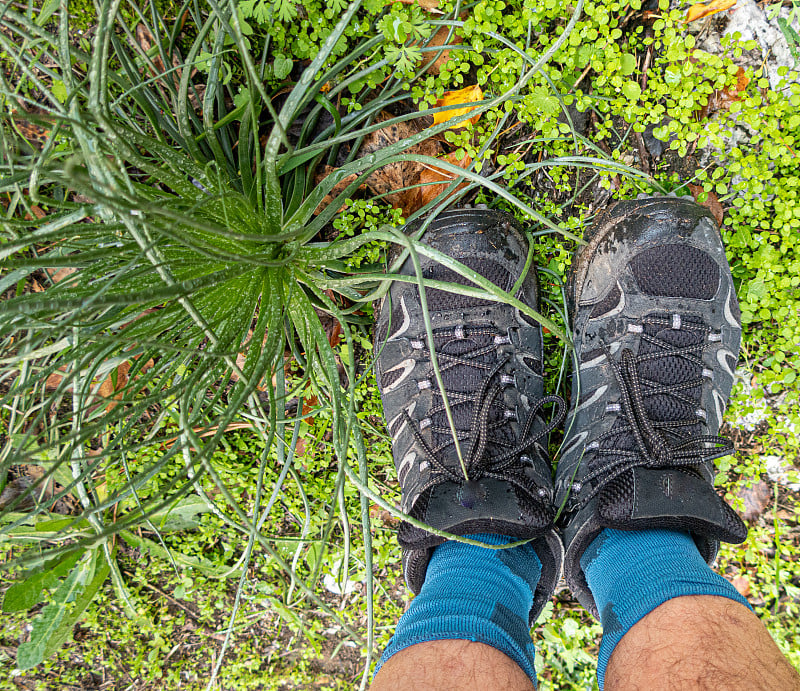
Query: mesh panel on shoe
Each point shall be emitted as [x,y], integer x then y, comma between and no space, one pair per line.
[608,303]
[617,497]
[533,364]
[444,300]
[679,271]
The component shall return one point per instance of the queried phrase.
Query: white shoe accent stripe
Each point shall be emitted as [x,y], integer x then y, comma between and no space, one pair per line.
[405,466]
[575,441]
[596,396]
[594,362]
[616,309]
[727,311]
[408,366]
[389,425]
[406,320]
[719,405]
[722,357]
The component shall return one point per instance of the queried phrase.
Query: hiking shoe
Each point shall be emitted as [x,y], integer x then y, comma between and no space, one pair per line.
[656,327]
[490,360]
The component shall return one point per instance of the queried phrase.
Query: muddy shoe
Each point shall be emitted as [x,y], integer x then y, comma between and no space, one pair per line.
[656,328]
[490,360]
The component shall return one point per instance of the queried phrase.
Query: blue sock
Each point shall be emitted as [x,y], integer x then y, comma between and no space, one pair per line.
[475,594]
[630,573]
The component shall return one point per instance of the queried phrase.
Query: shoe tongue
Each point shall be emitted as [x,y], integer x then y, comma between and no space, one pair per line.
[668,498]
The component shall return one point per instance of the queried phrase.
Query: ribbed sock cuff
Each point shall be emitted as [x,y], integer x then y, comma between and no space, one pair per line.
[475,594]
[630,573]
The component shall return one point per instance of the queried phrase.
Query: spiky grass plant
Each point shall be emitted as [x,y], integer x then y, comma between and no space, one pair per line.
[166,264]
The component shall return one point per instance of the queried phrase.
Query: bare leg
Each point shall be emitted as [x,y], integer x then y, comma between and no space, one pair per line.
[699,642]
[450,664]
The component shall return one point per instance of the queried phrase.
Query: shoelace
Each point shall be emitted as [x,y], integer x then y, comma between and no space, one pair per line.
[653,448]
[503,466]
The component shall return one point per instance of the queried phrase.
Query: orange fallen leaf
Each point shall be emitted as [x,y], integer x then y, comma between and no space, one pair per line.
[57,275]
[433,174]
[440,39]
[721,99]
[37,212]
[469,94]
[742,584]
[113,384]
[431,6]
[711,203]
[700,10]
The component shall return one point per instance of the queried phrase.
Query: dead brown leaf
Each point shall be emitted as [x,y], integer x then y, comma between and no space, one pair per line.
[382,515]
[432,174]
[390,180]
[440,39]
[113,384]
[338,188]
[711,203]
[706,10]
[28,490]
[57,275]
[755,500]
[37,211]
[34,134]
[742,584]
[431,6]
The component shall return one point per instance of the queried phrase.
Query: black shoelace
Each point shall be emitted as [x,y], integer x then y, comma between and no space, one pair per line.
[506,465]
[653,447]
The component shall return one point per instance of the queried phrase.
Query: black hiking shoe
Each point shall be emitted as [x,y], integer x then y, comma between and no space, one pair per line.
[656,328]
[490,359]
